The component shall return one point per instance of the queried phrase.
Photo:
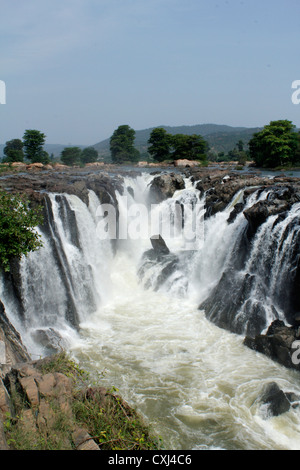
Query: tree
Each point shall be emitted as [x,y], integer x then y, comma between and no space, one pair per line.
[160,144]
[191,147]
[14,151]
[275,145]
[33,142]
[89,155]
[122,145]
[17,228]
[71,156]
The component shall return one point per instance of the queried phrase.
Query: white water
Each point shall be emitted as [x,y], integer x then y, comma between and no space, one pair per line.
[196,384]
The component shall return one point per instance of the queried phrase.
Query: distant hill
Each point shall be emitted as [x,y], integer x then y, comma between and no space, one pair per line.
[221,138]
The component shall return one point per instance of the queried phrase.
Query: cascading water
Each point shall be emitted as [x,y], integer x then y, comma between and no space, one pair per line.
[195,383]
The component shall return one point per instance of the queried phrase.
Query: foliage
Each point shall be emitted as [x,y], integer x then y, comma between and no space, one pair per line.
[33,141]
[113,424]
[191,147]
[71,156]
[275,145]
[122,145]
[14,151]
[159,142]
[89,155]
[17,228]
[164,146]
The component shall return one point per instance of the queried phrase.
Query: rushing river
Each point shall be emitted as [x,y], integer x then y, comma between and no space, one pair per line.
[196,384]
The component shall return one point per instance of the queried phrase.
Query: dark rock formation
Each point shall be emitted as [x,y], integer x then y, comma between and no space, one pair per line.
[280,343]
[261,211]
[159,244]
[159,255]
[164,186]
[275,400]
[15,351]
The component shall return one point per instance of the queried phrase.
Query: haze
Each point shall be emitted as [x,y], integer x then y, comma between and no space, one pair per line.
[77,69]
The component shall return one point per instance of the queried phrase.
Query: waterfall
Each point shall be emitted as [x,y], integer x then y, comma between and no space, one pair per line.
[149,318]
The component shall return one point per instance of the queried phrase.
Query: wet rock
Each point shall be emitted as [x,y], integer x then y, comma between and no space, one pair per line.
[159,245]
[164,186]
[50,339]
[15,351]
[278,344]
[274,399]
[261,211]
[238,208]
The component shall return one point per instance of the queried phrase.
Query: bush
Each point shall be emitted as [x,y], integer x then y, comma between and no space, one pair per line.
[17,228]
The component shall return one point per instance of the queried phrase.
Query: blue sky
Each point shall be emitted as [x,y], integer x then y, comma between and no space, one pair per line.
[77,69]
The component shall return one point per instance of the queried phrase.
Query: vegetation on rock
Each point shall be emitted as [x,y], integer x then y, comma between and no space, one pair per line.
[53,407]
[18,224]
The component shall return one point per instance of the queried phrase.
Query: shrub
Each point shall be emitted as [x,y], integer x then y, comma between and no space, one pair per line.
[17,228]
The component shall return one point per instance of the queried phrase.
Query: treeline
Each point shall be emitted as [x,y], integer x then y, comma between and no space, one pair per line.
[276,145]
[161,146]
[31,149]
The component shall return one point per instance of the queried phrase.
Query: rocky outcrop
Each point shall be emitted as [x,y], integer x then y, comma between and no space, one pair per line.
[76,182]
[220,187]
[48,397]
[164,186]
[274,401]
[49,405]
[159,245]
[281,343]
[11,346]
[158,255]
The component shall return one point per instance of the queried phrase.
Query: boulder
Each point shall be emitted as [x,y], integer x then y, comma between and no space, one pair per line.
[159,244]
[261,211]
[278,344]
[164,186]
[186,163]
[274,399]
[15,351]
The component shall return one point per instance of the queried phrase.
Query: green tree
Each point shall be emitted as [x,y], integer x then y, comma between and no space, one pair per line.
[17,228]
[275,145]
[33,141]
[14,151]
[89,155]
[71,156]
[122,145]
[191,147]
[160,144]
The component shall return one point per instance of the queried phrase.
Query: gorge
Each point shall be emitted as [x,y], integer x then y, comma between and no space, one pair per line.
[176,323]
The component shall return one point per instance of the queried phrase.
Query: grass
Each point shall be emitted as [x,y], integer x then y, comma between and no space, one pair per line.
[109,420]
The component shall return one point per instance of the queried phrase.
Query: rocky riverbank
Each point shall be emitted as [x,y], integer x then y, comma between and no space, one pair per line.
[49,405]
[219,187]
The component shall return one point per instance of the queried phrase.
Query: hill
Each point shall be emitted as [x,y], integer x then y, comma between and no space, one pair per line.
[221,138]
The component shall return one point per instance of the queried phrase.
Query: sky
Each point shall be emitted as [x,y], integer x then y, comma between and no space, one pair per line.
[77,69]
